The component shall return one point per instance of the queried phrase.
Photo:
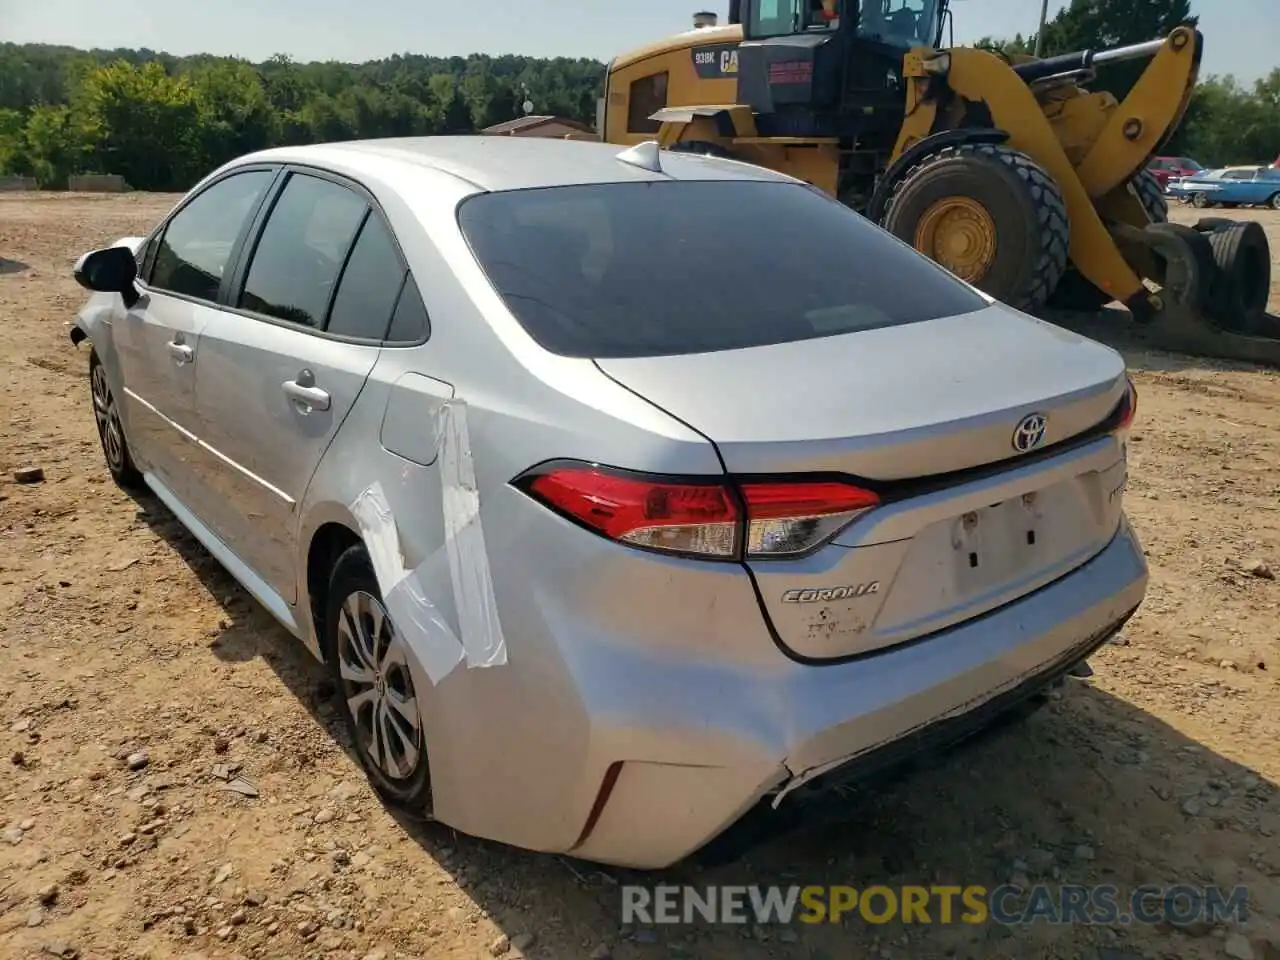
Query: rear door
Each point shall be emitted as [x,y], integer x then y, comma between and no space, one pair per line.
[157,340]
[282,366]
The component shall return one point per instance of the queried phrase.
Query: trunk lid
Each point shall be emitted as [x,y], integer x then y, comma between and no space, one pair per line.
[903,403]
[886,404]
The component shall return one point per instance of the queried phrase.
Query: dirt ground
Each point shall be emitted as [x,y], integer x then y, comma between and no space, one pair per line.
[125,645]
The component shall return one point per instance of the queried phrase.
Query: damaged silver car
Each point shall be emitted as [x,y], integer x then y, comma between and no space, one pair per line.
[622,492]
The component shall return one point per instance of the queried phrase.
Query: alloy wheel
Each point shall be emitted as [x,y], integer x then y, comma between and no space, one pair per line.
[107,418]
[377,687]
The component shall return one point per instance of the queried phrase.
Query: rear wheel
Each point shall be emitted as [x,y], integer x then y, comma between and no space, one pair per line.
[990,215]
[1074,292]
[369,662]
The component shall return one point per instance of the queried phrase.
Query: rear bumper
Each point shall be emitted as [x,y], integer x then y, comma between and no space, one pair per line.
[761,738]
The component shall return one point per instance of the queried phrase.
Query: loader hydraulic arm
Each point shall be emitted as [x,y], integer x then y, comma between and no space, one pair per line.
[1147,117]
[1036,70]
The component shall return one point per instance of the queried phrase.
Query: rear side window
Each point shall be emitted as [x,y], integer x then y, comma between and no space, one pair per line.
[370,284]
[196,245]
[675,267]
[409,324]
[301,249]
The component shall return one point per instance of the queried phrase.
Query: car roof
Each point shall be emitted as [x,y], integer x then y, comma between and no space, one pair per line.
[493,163]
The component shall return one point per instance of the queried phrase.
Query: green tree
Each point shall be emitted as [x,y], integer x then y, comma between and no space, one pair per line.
[56,144]
[12,154]
[145,124]
[235,116]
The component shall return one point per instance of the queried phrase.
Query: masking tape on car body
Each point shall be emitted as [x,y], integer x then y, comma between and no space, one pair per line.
[415,617]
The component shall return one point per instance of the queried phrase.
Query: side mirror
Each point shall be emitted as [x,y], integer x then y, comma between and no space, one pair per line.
[109,270]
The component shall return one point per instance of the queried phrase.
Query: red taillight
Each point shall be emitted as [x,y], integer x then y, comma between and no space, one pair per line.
[1128,406]
[788,518]
[678,517]
[703,519]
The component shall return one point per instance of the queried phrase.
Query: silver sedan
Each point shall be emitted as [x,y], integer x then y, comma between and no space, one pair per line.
[623,493]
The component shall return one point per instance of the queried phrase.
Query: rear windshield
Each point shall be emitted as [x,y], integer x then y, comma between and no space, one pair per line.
[674,267]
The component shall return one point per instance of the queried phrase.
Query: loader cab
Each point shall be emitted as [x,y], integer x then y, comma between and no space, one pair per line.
[830,68]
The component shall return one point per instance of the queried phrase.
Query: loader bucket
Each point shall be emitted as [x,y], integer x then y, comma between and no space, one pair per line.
[1209,306]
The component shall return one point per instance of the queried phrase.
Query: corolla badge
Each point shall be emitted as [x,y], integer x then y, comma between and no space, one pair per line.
[1029,433]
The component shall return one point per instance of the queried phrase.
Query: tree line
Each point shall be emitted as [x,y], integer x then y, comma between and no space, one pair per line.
[162,122]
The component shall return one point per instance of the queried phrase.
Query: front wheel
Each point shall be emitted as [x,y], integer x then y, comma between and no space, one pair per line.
[1200,201]
[991,215]
[106,416]
[369,662]
[1275,202]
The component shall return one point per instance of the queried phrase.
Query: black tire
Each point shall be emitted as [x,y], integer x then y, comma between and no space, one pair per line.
[1274,202]
[1074,292]
[1243,285]
[354,593]
[1151,196]
[1023,201]
[1201,202]
[1212,224]
[106,417]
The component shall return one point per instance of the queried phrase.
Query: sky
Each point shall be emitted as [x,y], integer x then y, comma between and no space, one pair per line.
[1241,36]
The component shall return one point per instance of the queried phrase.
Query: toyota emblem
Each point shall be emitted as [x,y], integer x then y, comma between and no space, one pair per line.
[1029,433]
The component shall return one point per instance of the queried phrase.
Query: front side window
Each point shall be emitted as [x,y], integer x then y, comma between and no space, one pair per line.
[301,250]
[196,246]
[776,18]
[676,267]
[905,23]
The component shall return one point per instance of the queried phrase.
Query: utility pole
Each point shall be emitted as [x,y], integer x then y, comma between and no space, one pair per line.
[1044,16]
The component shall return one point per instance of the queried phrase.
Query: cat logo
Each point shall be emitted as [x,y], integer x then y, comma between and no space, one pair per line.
[716,62]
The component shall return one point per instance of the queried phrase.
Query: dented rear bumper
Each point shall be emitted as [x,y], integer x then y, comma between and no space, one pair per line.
[844,721]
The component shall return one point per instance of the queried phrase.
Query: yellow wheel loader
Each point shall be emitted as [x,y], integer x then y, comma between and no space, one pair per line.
[1006,170]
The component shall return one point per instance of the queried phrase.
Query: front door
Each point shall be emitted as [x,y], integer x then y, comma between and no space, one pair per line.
[158,339]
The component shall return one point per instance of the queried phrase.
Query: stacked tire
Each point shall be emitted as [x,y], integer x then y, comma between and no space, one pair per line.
[1237,294]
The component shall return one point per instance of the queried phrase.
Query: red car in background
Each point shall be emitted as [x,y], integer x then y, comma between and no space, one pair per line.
[1165,169]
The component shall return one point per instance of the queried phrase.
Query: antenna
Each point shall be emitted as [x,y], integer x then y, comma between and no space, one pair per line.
[646,156]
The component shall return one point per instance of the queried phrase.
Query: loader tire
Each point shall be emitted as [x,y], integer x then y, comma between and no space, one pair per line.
[1151,196]
[1000,213]
[1074,292]
[1240,291]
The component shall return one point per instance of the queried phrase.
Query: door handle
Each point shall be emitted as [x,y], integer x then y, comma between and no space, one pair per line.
[180,352]
[308,397]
